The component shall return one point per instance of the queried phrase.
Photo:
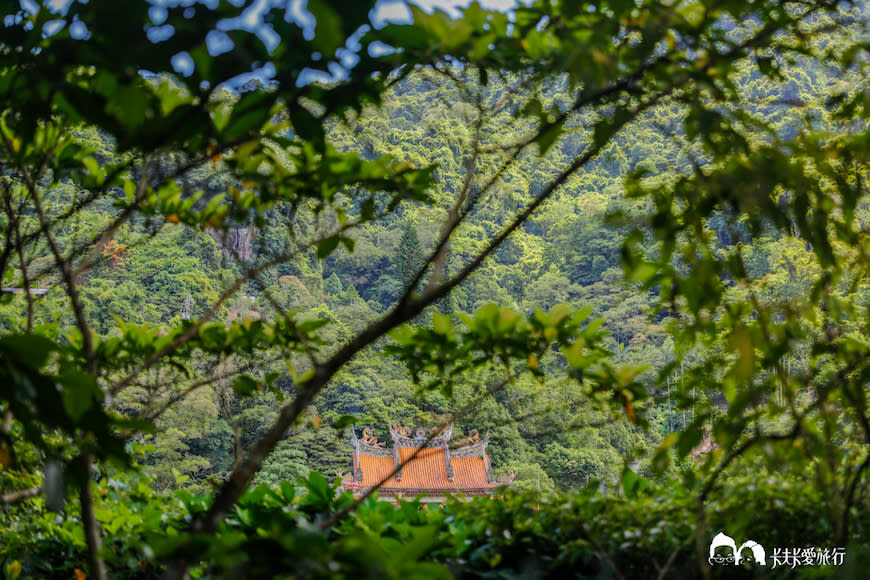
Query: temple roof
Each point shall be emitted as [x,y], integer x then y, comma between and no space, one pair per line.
[422,463]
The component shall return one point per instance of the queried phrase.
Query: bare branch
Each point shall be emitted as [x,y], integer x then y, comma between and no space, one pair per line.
[14,496]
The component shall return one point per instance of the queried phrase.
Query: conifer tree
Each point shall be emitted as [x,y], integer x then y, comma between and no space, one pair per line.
[409,255]
[447,304]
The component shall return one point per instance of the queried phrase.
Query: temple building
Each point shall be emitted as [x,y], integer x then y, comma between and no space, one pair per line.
[423,464]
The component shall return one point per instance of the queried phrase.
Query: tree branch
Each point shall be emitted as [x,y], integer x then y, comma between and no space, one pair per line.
[14,496]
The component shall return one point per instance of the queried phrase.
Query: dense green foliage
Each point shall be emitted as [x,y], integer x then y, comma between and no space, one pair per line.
[606,232]
[637,531]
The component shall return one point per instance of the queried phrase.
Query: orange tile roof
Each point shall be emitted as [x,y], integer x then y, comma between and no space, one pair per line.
[375,469]
[426,471]
[469,472]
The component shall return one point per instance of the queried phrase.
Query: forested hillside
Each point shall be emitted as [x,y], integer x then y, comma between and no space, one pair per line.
[569,253]
[628,240]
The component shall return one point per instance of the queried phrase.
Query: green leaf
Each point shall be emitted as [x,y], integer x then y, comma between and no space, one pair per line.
[661,461]
[348,243]
[441,323]
[135,424]
[629,481]
[249,114]
[79,392]
[30,349]
[180,478]
[311,325]
[688,440]
[245,386]
[645,272]
[288,492]
[328,33]
[308,127]
[131,105]
[13,570]
[320,493]
[729,389]
[608,127]
[326,247]
[548,137]
[574,353]
[346,420]
[367,211]
[170,97]
[741,342]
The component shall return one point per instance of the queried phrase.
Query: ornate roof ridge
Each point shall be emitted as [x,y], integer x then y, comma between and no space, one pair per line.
[402,436]
[469,450]
[374,451]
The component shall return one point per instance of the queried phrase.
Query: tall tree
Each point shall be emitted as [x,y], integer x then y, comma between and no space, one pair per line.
[409,256]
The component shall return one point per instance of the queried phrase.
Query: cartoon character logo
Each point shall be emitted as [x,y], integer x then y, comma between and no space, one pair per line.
[736,556]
